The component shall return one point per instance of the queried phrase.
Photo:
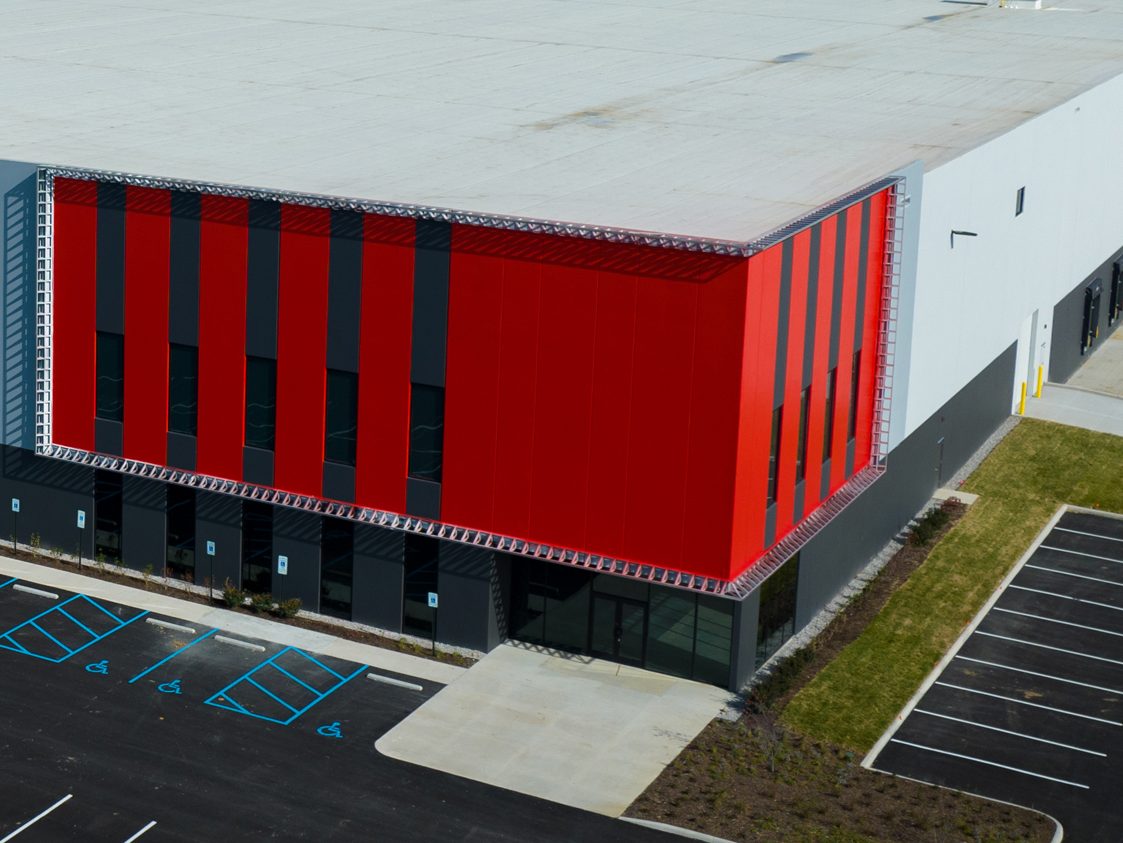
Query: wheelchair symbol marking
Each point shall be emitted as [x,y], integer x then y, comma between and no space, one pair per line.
[101,667]
[169,687]
[331,731]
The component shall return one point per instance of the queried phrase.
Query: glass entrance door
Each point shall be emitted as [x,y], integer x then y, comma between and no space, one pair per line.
[618,628]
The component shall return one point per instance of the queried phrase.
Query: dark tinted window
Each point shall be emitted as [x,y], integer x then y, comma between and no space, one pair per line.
[337,560]
[828,423]
[261,401]
[107,516]
[110,376]
[801,453]
[257,547]
[420,579]
[183,388]
[776,622]
[774,453]
[181,532]
[426,432]
[855,371]
[342,419]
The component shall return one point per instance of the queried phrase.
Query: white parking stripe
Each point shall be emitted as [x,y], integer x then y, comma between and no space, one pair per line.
[1081,553]
[36,819]
[142,831]
[988,763]
[1008,732]
[1048,647]
[1068,597]
[1093,535]
[1030,704]
[1070,574]
[1042,675]
[1054,620]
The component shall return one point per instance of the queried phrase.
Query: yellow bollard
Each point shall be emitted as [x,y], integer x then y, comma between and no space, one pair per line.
[1040,381]
[1022,401]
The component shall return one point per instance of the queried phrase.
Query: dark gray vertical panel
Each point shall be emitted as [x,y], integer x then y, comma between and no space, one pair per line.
[339,481]
[17,303]
[782,323]
[812,305]
[430,302]
[825,479]
[218,518]
[181,451]
[379,571]
[467,616]
[183,298]
[111,257]
[423,498]
[742,659]
[836,294]
[51,492]
[296,534]
[262,268]
[797,501]
[143,536]
[344,290]
[770,525]
[108,436]
[863,260]
[257,466]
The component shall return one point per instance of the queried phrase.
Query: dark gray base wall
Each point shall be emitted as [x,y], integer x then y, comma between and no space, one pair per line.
[50,494]
[1068,322]
[916,468]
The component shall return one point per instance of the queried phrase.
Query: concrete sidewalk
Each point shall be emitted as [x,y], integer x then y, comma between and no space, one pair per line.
[240,624]
[1078,408]
[1103,371]
[571,729]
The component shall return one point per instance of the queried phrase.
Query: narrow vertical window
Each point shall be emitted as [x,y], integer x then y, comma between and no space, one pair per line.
[801,452]
[337,562]
[1020,202]
[774,453]
[257,547]
[183,389]
[420,579]
[181,532]
[855,371]
[426,432]
[342,416]
[828,424]
[261,402]
[107,515]
[110,376]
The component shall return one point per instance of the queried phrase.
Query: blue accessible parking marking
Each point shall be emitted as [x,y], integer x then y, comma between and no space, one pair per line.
[9,582]
[64,630]
[275,690]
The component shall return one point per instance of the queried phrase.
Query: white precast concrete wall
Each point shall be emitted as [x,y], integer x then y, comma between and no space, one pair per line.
[973,300]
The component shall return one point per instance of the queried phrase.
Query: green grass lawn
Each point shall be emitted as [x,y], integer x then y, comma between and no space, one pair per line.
[1038,467]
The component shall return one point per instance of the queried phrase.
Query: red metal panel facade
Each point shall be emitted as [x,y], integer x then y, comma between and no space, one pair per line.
[382,448]
[606,398]
[302,330]
[147,267]
[223,254]
[74,337]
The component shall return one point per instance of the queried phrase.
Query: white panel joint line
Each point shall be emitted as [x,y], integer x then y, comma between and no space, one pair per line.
[397,683]
[989,763]
[142,831]
[1048,647]
[169,625]
[38,592]
[1041,675]
[36,818]
[234,642]
[1030,704]
[1008,732]
[1082,553]
[1093,535]
[1054,620]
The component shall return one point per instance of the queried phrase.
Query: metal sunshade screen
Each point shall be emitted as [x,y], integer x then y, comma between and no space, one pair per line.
[74,372]
[592,396]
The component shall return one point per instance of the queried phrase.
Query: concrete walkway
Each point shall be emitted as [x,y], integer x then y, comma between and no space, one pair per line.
[1078,408]
[1103,371]
[585,732]
[240,624]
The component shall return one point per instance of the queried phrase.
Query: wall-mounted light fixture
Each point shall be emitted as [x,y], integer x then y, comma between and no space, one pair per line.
[955,231]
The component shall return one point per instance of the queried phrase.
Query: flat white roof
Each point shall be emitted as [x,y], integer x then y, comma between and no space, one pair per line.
[713,118]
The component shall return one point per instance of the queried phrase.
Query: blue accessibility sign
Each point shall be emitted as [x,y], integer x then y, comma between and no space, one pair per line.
[101,667]
[169,687]
[332,731]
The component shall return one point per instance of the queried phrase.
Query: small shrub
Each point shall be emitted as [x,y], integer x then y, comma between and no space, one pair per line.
[287,608]
[779,680]
[232,596]
[261,602]
[36,544]
[146,574]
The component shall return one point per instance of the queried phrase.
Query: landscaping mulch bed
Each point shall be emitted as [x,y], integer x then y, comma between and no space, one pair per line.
[156,583]
[760,780]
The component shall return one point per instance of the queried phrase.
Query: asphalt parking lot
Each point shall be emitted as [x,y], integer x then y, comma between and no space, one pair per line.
[1029,709]
[116,726]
